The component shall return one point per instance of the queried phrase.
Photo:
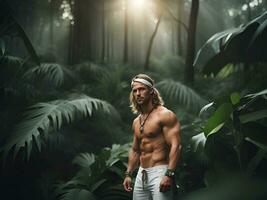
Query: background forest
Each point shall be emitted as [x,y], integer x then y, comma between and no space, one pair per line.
[65,72]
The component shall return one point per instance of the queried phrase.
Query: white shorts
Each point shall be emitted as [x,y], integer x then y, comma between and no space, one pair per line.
[147,184]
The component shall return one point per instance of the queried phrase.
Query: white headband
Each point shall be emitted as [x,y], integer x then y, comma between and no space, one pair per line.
[141,80]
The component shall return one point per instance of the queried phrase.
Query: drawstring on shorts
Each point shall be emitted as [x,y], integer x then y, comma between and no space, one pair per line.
[144,178]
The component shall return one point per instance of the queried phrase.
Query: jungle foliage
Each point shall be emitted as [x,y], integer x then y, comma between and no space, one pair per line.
[65,129]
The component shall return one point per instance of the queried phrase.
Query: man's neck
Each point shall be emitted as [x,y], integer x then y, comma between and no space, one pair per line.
[147,108]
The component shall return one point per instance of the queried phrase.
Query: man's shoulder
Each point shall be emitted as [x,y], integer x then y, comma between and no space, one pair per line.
[165,114]
[163,111]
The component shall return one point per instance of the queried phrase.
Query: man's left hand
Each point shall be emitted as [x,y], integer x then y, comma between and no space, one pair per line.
[165,184]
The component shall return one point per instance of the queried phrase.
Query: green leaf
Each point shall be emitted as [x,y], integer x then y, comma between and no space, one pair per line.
[117,153]
[253,116]
[263,92]
[212,47]
[96,185]
[84,159]
[235,98]
[180,93]
[216,129]
[257,143]
[205,108]
[44,118]
[255,161]
[198,142]
[47,73]
[216,121]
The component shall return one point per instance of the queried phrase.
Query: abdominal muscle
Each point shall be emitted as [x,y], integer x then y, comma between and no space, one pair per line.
[153,153]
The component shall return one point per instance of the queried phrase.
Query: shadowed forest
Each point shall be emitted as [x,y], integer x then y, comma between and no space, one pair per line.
[65,77]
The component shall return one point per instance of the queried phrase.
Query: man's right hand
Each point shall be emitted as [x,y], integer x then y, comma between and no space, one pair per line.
[127,183]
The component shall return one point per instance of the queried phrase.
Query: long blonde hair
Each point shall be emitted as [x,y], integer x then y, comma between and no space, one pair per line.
[156,98]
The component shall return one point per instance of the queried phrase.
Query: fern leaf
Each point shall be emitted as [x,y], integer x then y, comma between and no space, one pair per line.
[176,91]
[50,73]
[44,118]
[84,160]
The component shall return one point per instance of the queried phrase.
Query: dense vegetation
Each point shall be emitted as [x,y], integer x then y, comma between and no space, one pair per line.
[66,126]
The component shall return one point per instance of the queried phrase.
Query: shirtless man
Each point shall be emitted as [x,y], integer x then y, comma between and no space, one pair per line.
[156,143]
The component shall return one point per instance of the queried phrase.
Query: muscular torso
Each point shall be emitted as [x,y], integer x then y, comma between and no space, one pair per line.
[151,143]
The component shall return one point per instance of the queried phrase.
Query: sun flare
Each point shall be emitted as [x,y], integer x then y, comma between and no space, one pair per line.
[138,3]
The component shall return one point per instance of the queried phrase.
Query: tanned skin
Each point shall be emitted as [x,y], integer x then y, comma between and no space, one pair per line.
[159,144]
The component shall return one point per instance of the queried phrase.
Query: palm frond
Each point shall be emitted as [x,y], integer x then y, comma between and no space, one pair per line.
[90,72]
[50,73]
[44,118]
[180,93]
[84,160]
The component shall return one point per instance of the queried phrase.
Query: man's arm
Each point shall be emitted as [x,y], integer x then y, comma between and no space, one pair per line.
[134,155]
[133,160]
[171,132]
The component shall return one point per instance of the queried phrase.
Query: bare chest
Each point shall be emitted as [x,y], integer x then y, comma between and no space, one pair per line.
[150,129]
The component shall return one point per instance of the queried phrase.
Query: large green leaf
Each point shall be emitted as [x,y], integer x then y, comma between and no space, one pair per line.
[232,46]
[217,120]
[257,45]
[255,161]
[92,174]
[256,134]
[117,153]
[47,73]
[235,98]
[182,94]
[97,184]
[84,160]
[263,92]
[253,116]
[44,118]
[212,47]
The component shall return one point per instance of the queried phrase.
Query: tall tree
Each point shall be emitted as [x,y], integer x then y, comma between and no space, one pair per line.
[103,32]
[80,42]
[191,40]
[125,49]
[51,17]
[150,44]
[179,28]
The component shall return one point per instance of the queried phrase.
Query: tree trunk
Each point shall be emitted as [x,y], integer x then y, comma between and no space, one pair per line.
[103,32]
[80,37]
[191,39]
[249,11]
[125,50]
[146,66]
[179,29]
[51,19]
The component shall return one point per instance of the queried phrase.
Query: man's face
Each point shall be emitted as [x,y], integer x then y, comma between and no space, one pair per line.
[141,93]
